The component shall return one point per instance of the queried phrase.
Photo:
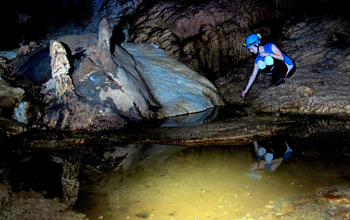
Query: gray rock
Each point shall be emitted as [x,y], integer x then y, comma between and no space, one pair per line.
[177,88]
[106,90]
[10,55]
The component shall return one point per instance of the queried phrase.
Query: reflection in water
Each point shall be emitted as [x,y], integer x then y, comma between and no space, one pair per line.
[270,154]
[150,181]
[193,119]
[210,182]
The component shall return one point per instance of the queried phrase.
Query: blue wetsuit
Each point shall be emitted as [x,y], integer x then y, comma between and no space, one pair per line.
[279,68]
[268,49]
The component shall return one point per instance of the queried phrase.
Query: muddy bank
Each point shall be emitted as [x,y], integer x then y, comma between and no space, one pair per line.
[32,205]
[327,203]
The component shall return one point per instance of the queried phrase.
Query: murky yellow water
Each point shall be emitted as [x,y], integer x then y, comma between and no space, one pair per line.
[210,183]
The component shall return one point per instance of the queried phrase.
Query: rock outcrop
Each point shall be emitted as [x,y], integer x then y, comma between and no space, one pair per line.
[179,89]
[320,48]
[103,93]
[94,85]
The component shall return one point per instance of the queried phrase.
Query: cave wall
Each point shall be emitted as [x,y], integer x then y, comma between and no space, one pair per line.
[205,35]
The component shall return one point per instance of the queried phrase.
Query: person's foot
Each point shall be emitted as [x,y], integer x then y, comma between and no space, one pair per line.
[275,82]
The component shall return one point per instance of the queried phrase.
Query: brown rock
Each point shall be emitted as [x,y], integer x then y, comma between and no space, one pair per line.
[320,49]
[9,96]
[10,127]
[208,36]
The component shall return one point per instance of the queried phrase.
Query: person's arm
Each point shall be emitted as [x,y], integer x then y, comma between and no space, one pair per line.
[256,145]
[276,163]
[277,54]
[251,79]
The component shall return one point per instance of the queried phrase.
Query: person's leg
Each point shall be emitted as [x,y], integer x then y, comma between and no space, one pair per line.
[291,70]
[279,72]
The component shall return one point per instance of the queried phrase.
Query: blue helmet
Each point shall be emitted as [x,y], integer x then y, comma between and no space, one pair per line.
[252,40]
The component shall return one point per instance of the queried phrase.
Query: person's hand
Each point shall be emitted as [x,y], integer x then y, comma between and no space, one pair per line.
[243,93]
[254,166]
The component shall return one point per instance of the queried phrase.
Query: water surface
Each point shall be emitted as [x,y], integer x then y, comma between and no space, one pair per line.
[211,182]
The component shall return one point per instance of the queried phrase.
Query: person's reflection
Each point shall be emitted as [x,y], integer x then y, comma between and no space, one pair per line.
[270,153]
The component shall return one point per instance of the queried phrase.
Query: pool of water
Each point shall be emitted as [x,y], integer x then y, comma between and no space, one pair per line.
[212,182]
[145,180]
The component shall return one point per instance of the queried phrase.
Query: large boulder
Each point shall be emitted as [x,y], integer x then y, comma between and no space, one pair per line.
[320,48]
[103,93]
[95,86]
[179,89]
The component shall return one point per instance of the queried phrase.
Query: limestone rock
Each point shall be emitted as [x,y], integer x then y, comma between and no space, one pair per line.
[60,68]
[206,36]
[22,113]
[10,97]
[10,55]
[9,126]
[105,90]
[320,48]
[177,88]
[30,70]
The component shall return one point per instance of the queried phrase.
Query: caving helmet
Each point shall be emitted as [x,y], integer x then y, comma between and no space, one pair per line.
[252,40]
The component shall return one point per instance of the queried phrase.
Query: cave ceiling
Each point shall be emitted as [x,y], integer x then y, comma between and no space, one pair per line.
[27,21]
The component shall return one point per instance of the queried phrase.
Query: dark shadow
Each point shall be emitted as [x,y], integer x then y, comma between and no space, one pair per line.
[118,36]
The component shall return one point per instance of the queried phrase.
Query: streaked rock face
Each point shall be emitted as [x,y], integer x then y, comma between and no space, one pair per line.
[206,36]
[179,89]
[320,48]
